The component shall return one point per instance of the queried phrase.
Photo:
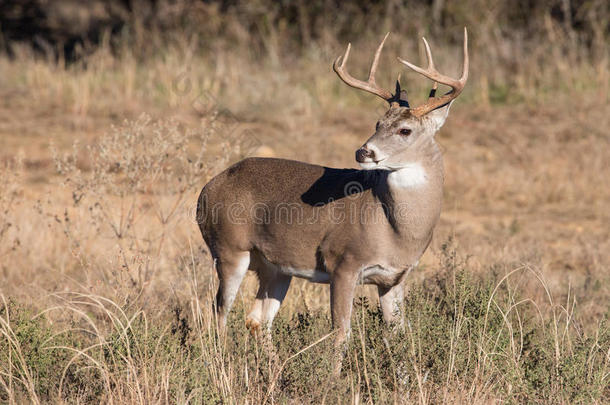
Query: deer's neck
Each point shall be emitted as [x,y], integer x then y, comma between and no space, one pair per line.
[422,168]
[413,193]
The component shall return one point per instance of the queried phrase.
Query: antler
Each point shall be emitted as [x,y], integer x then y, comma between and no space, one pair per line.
[370,85]
[431,73]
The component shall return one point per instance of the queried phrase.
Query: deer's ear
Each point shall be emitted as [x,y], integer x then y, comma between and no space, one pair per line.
[437,117]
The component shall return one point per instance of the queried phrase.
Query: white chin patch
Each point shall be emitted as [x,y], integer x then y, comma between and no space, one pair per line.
[410,176]
[368,165]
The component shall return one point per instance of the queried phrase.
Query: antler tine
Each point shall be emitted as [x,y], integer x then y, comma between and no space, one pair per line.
[466,64]
[431,73]
[343,58]
[429,55]
[376,60]
[368,86]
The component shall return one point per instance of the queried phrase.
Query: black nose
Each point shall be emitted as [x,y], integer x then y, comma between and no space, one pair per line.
[363,154]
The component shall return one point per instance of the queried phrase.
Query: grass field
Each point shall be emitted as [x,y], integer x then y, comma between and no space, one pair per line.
[105,283]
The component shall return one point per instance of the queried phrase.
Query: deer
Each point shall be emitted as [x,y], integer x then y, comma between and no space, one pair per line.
[344,227]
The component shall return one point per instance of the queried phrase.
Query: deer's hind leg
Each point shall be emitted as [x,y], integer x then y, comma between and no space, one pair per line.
[392,301]
[273,286]
[231,269]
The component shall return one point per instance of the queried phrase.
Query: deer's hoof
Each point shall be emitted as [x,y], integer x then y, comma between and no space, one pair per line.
[253,325]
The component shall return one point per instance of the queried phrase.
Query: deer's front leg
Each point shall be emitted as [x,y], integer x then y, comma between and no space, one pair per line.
[342,286]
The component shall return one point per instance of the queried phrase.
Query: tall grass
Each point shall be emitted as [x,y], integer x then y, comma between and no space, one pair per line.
[465,340]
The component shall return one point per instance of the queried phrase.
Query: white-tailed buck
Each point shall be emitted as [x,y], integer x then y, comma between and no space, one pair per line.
[282,218]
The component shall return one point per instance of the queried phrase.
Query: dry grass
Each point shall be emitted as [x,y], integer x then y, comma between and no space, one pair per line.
[107,287]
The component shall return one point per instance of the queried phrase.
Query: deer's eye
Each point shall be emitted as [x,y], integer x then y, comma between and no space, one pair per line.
[405,131]
[377,125]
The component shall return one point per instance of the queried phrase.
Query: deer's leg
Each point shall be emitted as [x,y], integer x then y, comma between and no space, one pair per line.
[254,319]
[391,301]
[276,291]
[272,289]
[342,286]
[231,269]
[264,273]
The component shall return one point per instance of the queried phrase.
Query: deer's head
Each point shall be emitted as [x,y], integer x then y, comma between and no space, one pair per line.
[403,130]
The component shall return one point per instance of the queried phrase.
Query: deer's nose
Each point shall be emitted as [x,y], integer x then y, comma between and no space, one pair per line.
[364,155]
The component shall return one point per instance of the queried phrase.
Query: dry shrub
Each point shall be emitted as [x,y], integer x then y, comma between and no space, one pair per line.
[131,193]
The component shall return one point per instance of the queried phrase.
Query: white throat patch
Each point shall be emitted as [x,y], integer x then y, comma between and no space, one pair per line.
[410,176]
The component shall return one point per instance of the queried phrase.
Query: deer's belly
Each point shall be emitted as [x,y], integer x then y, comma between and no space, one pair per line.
[262,265]
[315,276]
[377,274]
